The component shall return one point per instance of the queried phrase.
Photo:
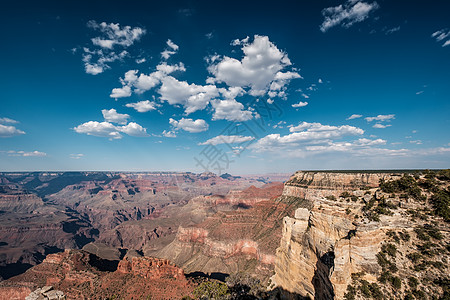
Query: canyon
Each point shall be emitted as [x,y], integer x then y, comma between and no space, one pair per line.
[320,235]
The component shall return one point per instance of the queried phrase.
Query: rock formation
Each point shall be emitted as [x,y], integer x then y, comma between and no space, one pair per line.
[334,233]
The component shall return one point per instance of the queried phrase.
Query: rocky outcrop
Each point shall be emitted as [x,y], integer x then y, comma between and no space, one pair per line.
[307,185]
[46,293]
[323,243]
[81,275]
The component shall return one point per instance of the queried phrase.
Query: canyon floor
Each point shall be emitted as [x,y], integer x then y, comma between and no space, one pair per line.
[318,235]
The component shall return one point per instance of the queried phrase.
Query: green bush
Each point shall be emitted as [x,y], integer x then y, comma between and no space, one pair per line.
[413,282]
[441,201]
[211,289]
[396,282]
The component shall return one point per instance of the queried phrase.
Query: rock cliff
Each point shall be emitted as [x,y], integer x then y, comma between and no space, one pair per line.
[341,229]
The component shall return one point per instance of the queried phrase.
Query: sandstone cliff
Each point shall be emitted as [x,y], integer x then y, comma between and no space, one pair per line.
[340,233]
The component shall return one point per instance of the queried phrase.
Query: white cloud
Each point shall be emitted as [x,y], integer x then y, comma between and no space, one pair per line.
[113,116]
[189,125]
[392,30]
[134,129]
[191,96]
[259,69]
[354,116]
[98,60]
[144,82]
[303,134]
[114,34]
[381,118]
[228,139]
[124,91]
[143,106]
[101,129]
[9,131]
[300,104]
[347,14]
[378,125]
[8,120]
[169,134]
[76,155]
[172,49]
[106,129]
[442,36]
[230,110]
[27,154]
[417,142]
[141,60]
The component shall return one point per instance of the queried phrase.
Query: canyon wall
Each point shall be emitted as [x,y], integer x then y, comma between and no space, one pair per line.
[323,243]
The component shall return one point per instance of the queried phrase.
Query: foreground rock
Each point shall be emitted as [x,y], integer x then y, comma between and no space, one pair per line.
[81,275]
[353,238]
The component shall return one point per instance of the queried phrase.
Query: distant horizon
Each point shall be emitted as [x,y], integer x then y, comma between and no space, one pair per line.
[235,174]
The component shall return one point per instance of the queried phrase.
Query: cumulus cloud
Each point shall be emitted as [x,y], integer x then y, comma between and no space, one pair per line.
[113,116]
[27,154]
[9,131]
[143,106]
[230,110]
[112,35]
[354,116]
[228,139]
[303,134]
[192,97]
[347,14]
[300,104]
[132,82]
[260,68]
[76,155]
[189,125]
[381,118]
[442,36]
[108,130]
[134,129]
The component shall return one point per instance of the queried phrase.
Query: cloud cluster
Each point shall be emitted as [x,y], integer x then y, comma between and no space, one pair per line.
[305,134]
[132,82]
[260,69]
[442,36]
[112,36]
[189,125]
[109,130]
[347,14]
[228,139]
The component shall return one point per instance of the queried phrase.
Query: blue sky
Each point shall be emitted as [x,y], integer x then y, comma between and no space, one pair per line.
[224,86]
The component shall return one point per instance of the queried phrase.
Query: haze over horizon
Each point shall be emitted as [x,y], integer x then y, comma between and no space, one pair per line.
[226,87]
